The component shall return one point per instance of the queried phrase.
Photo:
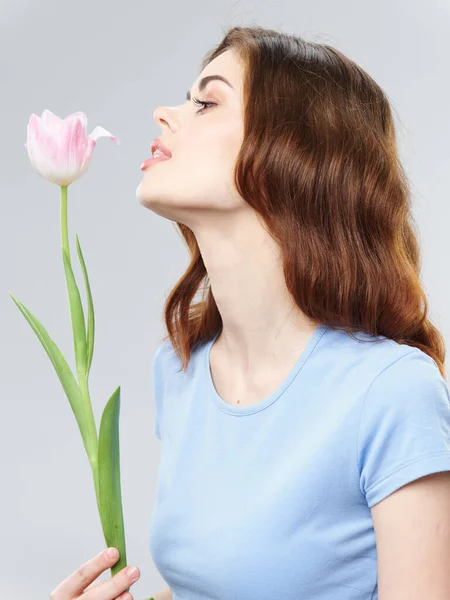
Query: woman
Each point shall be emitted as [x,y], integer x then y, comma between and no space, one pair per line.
[301,403]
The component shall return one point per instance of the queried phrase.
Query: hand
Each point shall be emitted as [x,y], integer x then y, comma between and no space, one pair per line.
[82,583]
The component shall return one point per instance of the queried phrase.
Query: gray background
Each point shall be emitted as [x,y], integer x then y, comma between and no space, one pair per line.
[117,62]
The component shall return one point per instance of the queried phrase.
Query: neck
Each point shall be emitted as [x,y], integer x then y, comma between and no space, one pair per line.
[260,318]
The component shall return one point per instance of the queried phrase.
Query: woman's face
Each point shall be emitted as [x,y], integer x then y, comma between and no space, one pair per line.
[196,185]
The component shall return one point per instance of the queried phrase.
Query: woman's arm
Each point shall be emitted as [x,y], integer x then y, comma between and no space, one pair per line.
[164,594]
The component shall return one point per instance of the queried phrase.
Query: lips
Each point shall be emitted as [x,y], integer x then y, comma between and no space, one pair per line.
[164,154]
[152,161]
[158,144]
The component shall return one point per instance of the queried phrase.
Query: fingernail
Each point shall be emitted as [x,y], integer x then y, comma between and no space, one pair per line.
[133,572]
[111,553]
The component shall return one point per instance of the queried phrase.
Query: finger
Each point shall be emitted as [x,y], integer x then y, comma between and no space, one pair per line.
[118,584]
[73,586]
[93,585]
[125,596]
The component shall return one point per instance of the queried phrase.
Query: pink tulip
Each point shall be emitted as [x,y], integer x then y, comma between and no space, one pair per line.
[60,150]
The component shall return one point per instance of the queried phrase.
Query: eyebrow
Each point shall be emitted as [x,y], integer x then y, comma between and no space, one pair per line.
[205,80]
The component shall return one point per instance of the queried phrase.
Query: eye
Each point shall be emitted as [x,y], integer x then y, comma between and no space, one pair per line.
[201,103]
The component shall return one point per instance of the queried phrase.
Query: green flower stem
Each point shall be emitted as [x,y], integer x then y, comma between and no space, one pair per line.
[64,228]
[89,428]
[102,449]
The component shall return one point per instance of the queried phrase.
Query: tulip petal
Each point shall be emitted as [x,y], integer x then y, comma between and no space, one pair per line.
[50,119]
[80,116]
[73,147]
[99,132]
[41,149]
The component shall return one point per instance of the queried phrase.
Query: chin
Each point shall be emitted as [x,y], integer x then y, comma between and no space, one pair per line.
[158,206]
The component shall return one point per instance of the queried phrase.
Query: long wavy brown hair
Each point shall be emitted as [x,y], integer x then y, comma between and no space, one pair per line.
[319,164]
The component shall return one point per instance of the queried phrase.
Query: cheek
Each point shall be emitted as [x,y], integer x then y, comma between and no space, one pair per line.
[214,142]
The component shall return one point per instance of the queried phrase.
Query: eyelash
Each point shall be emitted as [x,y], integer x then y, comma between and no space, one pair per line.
[201,103]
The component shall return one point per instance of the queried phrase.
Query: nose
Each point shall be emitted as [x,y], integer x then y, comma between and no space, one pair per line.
[164,117]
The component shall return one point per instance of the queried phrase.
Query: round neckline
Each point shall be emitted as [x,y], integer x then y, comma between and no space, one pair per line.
[235,409]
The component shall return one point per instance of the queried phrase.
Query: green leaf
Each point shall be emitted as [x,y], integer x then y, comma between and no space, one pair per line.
[62,369]
[91,320]
[111,514]
[77,316]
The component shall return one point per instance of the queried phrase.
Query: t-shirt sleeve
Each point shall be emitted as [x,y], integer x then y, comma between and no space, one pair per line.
[158,389]
[404,430]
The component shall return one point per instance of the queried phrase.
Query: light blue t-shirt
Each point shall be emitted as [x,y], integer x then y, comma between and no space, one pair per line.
[272,501]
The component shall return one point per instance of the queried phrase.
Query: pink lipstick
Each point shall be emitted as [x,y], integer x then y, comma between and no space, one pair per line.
[151,161]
